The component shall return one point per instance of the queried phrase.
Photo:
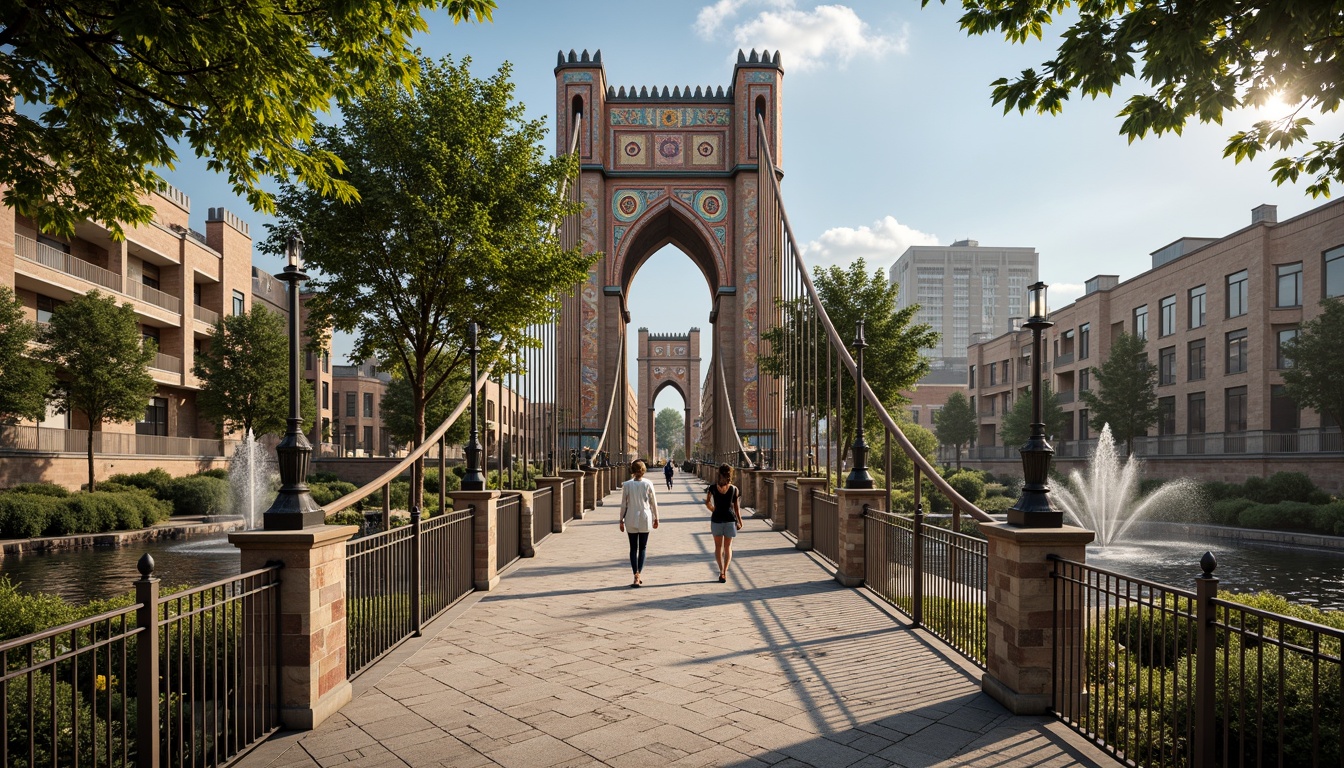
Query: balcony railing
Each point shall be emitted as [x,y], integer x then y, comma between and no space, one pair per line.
[52,440]
[153,296]
[208,316]
[1063,359]
[30,250]
[1065,397]
[167,363]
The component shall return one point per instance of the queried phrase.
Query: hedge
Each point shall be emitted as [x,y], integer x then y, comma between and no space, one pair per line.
[27,515]
[154,481]
[198,495]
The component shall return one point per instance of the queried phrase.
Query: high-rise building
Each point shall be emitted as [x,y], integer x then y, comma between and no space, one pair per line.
[963,289]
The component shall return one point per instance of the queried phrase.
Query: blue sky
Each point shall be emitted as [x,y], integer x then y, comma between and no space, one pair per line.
[890,138]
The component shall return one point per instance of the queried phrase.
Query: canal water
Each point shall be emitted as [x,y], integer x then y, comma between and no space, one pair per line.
[1311,576]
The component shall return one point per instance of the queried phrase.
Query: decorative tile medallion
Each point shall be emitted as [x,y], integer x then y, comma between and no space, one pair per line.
[667,149]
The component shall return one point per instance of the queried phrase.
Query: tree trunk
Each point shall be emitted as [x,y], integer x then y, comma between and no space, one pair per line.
[958,457]
[92,427]
[418,466]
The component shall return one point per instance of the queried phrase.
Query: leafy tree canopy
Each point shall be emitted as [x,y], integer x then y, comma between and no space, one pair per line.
[244,375]
[670,428]
[1316,379]
[96,95]
[955,423]
[1196,60]
[1125,391]
[24,380]
[101,361]
[1016,426]
[454,224]
[398,409]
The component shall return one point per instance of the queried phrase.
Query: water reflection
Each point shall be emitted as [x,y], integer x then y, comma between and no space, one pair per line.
[91,574]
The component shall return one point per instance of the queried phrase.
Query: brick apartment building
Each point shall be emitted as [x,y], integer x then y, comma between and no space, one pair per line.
[1215,312]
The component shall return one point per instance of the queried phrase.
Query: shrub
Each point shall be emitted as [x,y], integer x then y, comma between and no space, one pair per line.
[1012,486]
[25,515]
[1290,486]
[41,489]
[1150,484]
[346,517]
[325,493]
[155,480]
[996,504]
[1227,511]
[452,483]
[460,470]
[1329,518]
[100,511]
[1216,491]
[1257,489]
[995,489]
[107,486]
[323,477]
[198,495]
[222,474]
[969,484]
[1286,515]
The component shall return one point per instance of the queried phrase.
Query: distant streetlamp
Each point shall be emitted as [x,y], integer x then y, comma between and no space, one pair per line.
[473,479]
[1032,509]
[294,506]
[859,477]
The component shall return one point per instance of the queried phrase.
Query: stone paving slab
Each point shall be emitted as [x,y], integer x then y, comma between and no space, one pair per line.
[566,665]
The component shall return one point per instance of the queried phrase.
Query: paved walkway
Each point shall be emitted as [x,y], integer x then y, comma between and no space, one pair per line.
[566,665]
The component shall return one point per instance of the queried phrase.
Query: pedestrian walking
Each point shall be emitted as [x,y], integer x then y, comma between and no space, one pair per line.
[639,515]
[723,500]
[667,473]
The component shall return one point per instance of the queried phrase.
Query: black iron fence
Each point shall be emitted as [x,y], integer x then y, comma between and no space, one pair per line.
[791,519]
[1160,676]
[508,523]
[542,505]
[186,679]
[826,525]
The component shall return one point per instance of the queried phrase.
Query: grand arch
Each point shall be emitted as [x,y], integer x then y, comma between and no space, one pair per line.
[668,360]
[662,166]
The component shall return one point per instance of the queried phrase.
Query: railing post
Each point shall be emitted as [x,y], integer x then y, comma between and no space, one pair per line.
[147,666]
[557,510]
[806,487]
[851,566]
[1206,652]
[526,510]
[485,535]
[917,553]
[591,498]
[579,504]
[417,583]
[778,516]
[747,484]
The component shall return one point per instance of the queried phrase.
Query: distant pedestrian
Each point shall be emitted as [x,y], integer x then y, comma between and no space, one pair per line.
[639,515]
[723,500]
[667,473]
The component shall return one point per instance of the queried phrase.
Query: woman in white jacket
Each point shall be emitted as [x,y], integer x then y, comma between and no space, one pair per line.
[639,515]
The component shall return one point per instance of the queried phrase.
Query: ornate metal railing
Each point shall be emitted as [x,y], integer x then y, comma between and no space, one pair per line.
[791,518]
[826,525]
[567,500]
[543,500]
[508,525]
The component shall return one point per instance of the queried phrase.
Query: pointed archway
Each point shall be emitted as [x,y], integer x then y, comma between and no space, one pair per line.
[667,360]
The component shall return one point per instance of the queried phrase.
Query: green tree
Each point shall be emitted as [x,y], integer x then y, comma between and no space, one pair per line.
[398,409]
[96,96]
[455,223]
[100,360]
[1016,427]
[1316,378]
[892,361]
[1196,60]
[669,427]
[24,379]
[902,467]
[1125,391]
[955,423]
[244,375]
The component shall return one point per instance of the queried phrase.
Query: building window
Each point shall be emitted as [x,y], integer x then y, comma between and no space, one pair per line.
[1166,416]
[990,400]
[368,441]
[238,303]
[1334,272]
[1283,412]
[1166,365]
[150,333]
[368,405]
[53,243]
[45,306]
[1082,424]
[308,361]
[1284,336]
[155,421]
[1195,360]
[350,404]
[1194,413]
[149,275]
[1236,351]
[973,406]
[326,396]
[914,415]
[1238,293]
[971,381]
[1085,380]
[1290,285]
[1167,320]
[1084,341]
[326,362]
[1197,299]
[993,374]
[196,294]
[1236,410]
[1141,322]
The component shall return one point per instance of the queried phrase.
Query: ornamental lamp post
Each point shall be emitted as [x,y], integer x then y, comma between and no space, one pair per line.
[1032,509]
[859,478]
[474,479]
[294,507]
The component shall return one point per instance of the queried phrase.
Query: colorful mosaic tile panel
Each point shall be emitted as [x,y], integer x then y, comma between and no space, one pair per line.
[667,117]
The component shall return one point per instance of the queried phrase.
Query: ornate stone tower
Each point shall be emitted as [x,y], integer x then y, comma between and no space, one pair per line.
[672,166]
[668,360]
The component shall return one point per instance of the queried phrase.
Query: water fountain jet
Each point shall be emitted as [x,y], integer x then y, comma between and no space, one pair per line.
[251,476]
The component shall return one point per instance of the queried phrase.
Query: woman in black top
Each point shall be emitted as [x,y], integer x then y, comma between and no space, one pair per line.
[723,500]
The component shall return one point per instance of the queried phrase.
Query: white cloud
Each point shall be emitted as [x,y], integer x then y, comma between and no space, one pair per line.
[880,244]
[808,39]
[1062,294]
